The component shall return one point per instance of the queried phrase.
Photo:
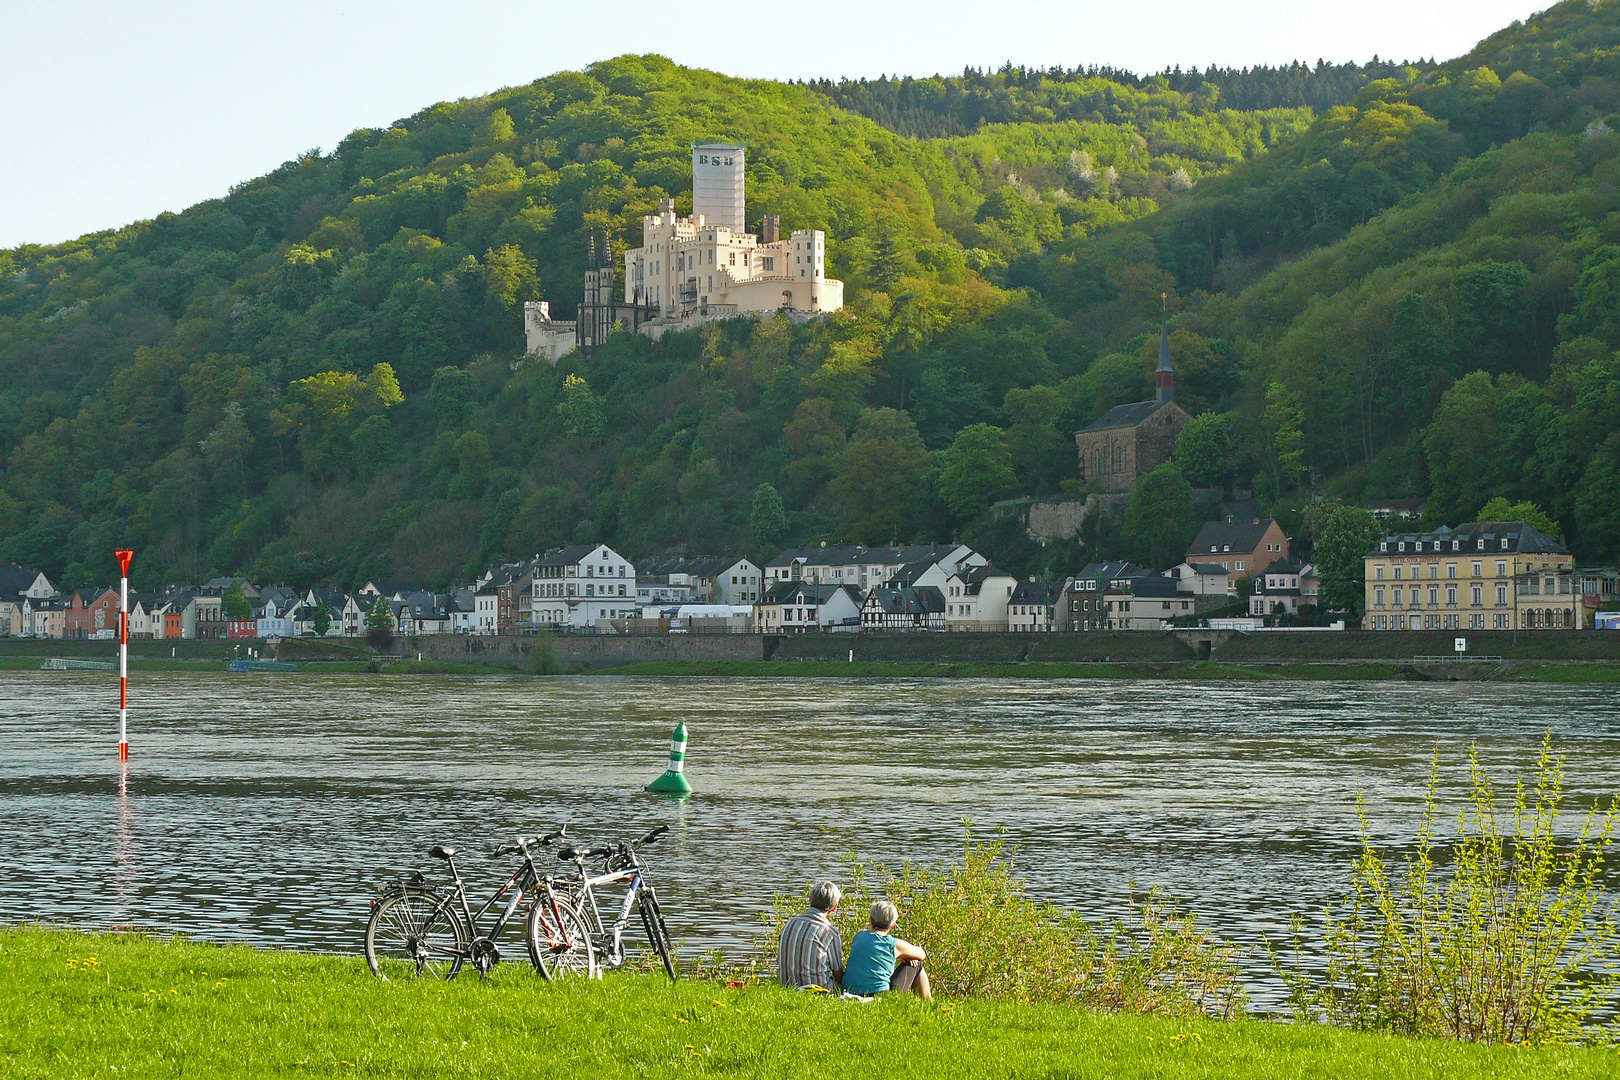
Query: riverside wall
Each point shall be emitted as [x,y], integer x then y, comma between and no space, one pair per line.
[1097,645]
[589,652]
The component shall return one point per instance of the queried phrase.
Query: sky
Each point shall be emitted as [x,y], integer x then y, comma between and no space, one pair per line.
[116,112]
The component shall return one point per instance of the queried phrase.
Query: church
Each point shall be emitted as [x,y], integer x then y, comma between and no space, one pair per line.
[1132,440]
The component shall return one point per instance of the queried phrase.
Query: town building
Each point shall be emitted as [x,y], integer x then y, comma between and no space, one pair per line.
[1130,441]
[1599,590]
[1240,546]
[1082,602]
[1032,609]
[582,585]
[913,608]
[1204,579]
[1144,603]
[1485,575]
[866,568]
[688,271]
[1284,587]
[976,597]
[794,607]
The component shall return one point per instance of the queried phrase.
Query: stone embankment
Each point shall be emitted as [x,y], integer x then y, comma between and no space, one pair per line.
[593,652]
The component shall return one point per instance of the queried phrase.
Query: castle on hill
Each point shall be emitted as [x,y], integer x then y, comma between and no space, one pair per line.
[692,270]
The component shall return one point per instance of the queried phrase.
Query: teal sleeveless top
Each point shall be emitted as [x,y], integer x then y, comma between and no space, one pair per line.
[871,963]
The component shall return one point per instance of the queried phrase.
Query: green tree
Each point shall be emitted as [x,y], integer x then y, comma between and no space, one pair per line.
[580,410]
[1284,419]
[1499,509]
[321,620]
[373,443]
[977,470]
[767,519]
[324,410]
[1160,518]
[234,603]
[1346,537]
[450,394]
[882,480]
[1205,451]
[228,445]
[380,617]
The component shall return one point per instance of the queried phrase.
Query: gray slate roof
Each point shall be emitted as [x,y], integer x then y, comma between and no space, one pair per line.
[1126,416]
[1218,536]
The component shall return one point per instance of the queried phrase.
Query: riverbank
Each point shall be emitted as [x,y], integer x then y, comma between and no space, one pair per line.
[1581,673]
[82,1005]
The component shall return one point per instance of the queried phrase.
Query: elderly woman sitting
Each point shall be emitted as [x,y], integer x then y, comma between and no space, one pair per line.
[879,961]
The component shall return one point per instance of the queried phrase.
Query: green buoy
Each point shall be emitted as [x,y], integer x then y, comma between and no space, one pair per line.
[673,782]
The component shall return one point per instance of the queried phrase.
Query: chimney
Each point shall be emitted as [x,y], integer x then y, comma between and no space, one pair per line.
[770,228]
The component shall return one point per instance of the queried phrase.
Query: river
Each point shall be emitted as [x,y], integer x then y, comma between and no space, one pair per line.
[265,808]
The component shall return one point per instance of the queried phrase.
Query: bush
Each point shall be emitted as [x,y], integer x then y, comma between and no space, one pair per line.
[543,656]
[379,638]
[1514,942]
[985,938]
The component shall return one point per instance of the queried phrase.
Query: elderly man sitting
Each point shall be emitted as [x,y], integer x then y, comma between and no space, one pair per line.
[811,952]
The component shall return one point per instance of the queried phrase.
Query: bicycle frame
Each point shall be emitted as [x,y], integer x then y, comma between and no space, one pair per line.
[611,939]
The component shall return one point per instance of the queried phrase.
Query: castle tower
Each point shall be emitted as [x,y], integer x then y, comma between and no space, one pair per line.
[717,185]
[1164,379]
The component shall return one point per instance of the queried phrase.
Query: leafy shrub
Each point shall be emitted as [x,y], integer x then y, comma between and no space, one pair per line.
[543,656]
[986,938]
[1514,941]
[379,638]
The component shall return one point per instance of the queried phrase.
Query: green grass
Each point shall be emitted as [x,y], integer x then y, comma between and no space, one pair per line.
[305,667]
[79,1005]
[1563,673]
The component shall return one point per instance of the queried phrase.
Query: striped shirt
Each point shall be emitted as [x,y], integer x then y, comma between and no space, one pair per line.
[811,951]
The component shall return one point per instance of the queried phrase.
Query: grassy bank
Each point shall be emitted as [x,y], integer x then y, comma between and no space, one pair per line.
[1194,670]
[76,1005]
[317,667]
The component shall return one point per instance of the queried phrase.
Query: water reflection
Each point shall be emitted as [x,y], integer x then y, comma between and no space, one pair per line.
[265,809]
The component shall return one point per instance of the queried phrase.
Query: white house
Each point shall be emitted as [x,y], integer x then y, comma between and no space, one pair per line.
[797,606]
[580,585]
[26,581]
[1204,579]
[485,608]
[976,597]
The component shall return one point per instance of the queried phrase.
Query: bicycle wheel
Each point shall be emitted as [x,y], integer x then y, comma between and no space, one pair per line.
[559,944]
[652,917]
[413,932]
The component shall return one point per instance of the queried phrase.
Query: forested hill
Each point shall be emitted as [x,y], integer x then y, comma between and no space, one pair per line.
[317,376]
[961,104]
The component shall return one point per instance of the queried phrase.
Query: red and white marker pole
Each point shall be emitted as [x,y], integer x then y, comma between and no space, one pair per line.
[124,557]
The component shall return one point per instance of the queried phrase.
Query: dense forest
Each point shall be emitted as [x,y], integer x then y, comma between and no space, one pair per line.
[1383,280]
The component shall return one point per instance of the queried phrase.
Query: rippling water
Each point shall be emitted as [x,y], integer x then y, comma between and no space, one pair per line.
[264,808]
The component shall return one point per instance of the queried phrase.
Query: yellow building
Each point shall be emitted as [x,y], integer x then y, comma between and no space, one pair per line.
[1487,575]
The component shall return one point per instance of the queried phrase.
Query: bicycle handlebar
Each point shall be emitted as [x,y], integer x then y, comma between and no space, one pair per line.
[653,836]
[518,845]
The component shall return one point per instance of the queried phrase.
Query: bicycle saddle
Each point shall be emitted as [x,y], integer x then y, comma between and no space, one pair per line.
[439,851]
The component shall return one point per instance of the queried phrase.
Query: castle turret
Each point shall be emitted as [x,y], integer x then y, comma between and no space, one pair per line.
[1164,379]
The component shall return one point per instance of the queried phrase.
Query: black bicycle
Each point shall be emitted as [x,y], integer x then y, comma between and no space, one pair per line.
[621,865]
[417,929]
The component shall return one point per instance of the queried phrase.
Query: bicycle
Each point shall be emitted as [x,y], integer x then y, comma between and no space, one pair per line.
[620,866]
[415,927]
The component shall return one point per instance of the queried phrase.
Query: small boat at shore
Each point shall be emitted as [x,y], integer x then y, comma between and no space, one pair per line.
[248,666]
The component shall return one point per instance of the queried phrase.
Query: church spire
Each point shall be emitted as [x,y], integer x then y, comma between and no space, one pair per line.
[1164,379]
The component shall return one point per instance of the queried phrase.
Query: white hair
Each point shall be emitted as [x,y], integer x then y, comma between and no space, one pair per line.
[884,915]
[824,896]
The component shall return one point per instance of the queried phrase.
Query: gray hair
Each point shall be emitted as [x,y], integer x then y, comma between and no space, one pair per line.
[884,915]
[824,896]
